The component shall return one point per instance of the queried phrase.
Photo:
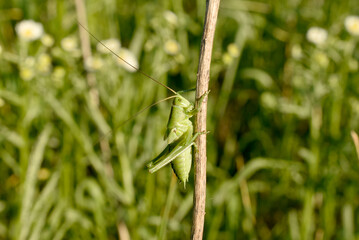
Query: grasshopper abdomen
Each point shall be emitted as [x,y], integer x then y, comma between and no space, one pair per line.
[181,165]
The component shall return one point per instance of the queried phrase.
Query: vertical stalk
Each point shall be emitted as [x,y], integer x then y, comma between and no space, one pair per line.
[355,138]
[85,40]
[94,100]
[199,197]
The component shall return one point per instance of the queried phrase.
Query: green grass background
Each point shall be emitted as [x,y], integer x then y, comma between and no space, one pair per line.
[281,161]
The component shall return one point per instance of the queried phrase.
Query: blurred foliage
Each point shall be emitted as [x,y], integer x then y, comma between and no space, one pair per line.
[281,161]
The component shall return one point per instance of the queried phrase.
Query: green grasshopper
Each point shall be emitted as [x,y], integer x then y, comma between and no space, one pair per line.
[179,133]
[180,138]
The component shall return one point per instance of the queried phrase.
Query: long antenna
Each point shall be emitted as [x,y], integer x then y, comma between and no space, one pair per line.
[134,116]
[143,73]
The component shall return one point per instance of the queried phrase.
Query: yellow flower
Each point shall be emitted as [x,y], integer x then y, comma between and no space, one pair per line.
[29,30]
[149,45]
[43,63]
[171,18]
[27,69]
[47,40]
[268,100]
[29,62]
[69,44]
[112,43]
[43,174]
[172,47]
[93,63]
[27,73]
[180,58]
[317,35]
[227,58]
[296,51]
[321,58]
[351,24]
[130,58]
[59,73]
[233,50]
[353,65]
[58,76]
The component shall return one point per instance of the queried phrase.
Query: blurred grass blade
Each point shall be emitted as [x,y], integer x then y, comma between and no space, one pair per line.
[167,208]
[29,186]
[251,168]
[293,225]
[348,221]
[11,162]
[12,137]
[46,200]
[11,97]
[240,41]
[97,116]
[184,208]
[43,203]
[262,77]
[85,143]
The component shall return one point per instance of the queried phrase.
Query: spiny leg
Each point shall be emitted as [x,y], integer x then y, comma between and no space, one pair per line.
[172,151]
[177,150]
[159,158]
[200,101]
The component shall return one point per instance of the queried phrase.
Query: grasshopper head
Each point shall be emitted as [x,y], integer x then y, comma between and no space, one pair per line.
[183,103]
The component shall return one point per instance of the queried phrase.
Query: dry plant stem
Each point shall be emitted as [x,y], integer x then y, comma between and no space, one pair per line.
[91,79]
[355,138]
[123,232]
[199,198]
[85,40]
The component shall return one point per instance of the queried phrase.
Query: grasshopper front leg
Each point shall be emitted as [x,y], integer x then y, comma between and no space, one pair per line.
[200,101]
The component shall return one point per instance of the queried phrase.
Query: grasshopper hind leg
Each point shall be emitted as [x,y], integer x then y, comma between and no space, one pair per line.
[170,153]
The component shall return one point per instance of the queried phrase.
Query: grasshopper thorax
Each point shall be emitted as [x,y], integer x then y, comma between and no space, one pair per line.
[178,121]
[180,101]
